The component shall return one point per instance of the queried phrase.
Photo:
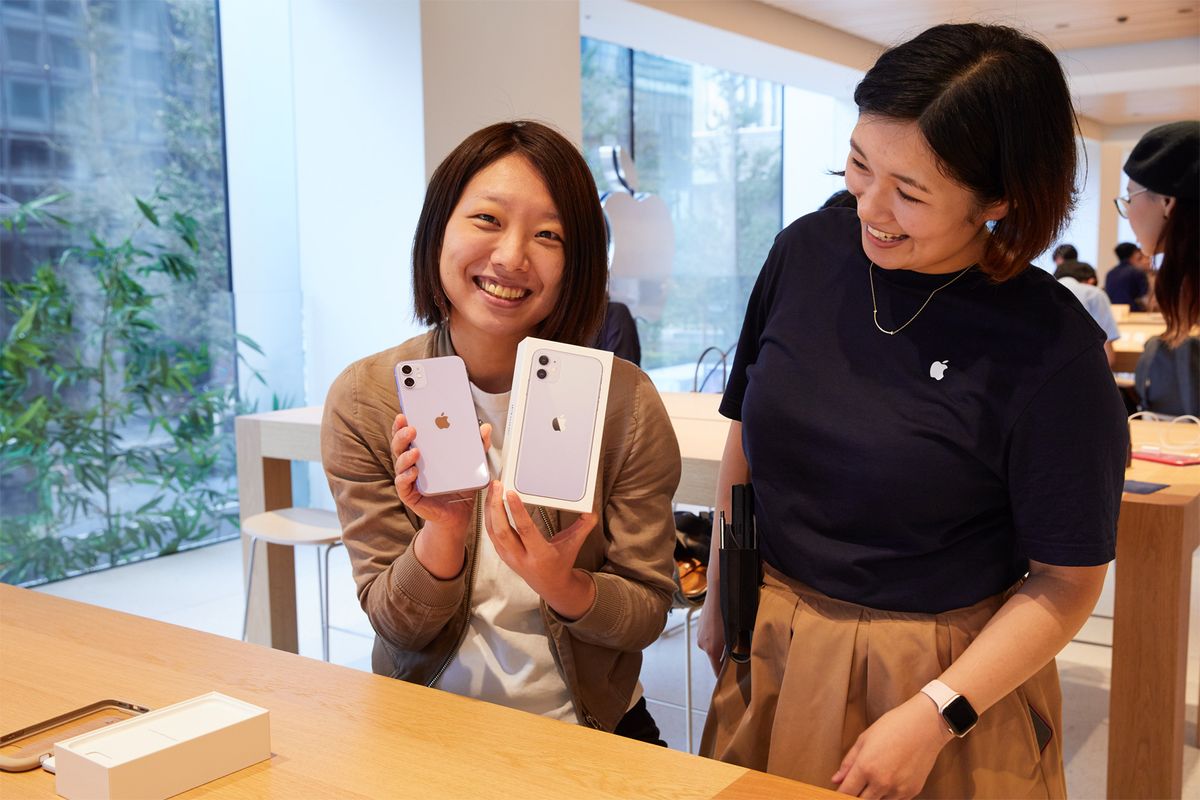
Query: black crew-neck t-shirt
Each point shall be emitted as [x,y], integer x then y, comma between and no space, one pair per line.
[877,483]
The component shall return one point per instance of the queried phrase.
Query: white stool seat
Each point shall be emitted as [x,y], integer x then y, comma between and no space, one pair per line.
[294,526]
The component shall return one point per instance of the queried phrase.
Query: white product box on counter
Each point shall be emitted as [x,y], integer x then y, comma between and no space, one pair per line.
[555,424]
[164,752]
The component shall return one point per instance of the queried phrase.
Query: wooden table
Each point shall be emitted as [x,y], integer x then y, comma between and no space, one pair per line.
[266,445]
[1135,329]
[1157,536]
[701,433]
[335,732]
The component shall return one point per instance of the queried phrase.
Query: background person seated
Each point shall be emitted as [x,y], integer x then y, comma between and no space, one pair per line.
[619,334]
[1127,282]
[1065,252]
[1080,278]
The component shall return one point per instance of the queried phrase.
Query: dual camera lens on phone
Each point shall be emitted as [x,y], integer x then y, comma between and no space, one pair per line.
[541,373]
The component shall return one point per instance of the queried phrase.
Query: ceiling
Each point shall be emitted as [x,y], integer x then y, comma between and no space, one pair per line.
[1141,71]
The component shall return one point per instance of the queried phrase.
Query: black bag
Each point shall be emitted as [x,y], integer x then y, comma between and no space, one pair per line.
[693,535]
[1167,379]
[741,573]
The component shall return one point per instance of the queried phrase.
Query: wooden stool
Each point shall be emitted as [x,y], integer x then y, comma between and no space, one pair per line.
[294,527]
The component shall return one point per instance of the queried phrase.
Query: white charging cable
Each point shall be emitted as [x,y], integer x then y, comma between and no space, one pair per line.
[1167,443]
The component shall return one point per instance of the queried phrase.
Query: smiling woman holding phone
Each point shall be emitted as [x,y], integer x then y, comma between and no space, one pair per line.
[937,447]
[549,616]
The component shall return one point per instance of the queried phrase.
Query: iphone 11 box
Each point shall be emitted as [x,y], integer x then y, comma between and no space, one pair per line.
[555,424]
[163,752]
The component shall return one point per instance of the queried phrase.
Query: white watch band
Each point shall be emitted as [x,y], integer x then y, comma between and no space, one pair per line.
[939,693]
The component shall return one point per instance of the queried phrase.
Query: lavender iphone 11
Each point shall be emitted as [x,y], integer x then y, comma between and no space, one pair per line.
[436,399]
[561,414]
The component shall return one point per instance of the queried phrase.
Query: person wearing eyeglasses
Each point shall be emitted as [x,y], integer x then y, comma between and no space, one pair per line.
[1162,204]
[935,506]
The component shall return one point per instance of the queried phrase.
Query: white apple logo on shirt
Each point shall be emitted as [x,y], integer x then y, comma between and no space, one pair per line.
[937,370]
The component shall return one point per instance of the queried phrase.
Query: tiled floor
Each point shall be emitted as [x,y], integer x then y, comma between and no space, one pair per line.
[202,589]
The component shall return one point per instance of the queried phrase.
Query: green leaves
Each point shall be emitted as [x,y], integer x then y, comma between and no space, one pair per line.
[116,419]
[147,211]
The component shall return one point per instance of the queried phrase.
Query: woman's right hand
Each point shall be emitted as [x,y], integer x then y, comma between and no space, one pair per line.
[447,516]
[710,633]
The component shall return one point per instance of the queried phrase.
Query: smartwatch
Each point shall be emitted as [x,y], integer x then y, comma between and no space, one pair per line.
[957,713]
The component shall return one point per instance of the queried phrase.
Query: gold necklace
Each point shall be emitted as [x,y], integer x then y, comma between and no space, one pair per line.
[875,307]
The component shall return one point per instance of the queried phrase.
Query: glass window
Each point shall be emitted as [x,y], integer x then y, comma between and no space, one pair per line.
[142,465]
[147,64]
[28,157]
[607,110]
[23,46]
[67,103]
[63,9]
[19,5]
[710,144]
[145,16]
[108,11]
[65,53]
[27,100]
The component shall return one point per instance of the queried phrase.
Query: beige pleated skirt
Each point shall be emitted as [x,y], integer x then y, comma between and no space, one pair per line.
[823,670]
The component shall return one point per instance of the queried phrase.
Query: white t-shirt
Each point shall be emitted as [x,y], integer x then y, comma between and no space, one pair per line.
[505,657]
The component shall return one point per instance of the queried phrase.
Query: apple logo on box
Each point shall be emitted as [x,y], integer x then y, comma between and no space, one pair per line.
[559,423]
[937,370]
[442,422]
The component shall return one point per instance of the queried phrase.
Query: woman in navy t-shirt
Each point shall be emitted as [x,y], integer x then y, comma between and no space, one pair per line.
[936,444]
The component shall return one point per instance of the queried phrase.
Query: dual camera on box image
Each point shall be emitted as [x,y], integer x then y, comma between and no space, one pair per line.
[547,368]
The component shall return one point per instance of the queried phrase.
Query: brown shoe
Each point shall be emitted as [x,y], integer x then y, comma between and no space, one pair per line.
[693,580]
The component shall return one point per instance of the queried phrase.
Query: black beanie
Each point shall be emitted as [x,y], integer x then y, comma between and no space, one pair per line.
[1167,160]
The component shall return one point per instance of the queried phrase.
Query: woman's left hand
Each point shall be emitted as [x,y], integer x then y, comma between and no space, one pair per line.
[893,757]
[547,566]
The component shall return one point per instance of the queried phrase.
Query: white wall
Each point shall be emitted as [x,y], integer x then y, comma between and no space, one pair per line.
[359,176]
[326,175]
[1083,230]
[261,167]
[635,25]
[816,137]
[487,61]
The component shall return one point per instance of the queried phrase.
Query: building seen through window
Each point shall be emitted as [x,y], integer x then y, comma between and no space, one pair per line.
[710,144]
[118,384]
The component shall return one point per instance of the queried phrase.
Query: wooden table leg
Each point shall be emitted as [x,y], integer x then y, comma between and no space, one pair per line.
[1150,630]
[265,484]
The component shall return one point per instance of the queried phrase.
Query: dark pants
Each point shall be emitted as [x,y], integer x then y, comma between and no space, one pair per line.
[638,724]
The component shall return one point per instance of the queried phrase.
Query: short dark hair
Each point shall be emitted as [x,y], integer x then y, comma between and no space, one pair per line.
[995,109]
[840,199]
[1125,250]
[1079,270]
[580,308]
[1066,252]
